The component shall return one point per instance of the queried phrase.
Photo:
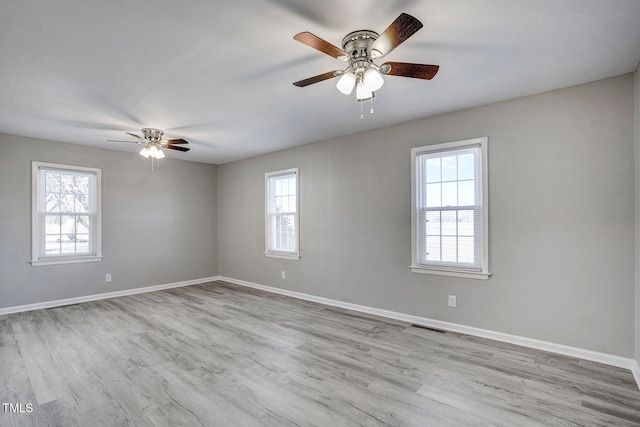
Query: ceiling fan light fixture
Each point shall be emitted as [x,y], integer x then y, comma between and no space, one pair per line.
[373,79]
[363,92]
[346,83]
[160,154]
[153,151]
[145,152]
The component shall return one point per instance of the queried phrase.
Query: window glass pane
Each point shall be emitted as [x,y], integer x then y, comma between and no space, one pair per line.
[82,224]
[67,246]
[52,244]
[449,249]
[466,223]
[449,194]
[466,193]
[433,223]
[433,170]
[271,240]
[292,203]
[52,224]
[466,166]
[292,185]
[66,183]
[81,203]
[272,193]
[81,184]
[449,223]
[52,182]
[82,243]
[52,203]
[68,225]
[449,168]
[433,248]
[465,250]
[285,233]
[434,195]
[67,202]
[278,187]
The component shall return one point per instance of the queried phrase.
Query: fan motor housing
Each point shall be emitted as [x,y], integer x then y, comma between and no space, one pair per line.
[357,43]
[151,134]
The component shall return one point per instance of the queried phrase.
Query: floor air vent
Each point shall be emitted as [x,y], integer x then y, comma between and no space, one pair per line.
[440,331]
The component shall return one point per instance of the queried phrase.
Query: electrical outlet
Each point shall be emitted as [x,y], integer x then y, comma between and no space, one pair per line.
[452,301]
[284,275]
[107,277]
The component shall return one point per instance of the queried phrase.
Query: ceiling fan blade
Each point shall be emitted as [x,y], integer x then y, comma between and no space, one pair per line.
[173,147]
[315,79]
[401,29]
[134,135]
[406,69]
[176,141]
[130,142]
[317,43]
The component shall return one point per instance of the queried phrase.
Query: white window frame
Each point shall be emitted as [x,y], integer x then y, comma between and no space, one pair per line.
[269,232]
[38,256]
[418,267]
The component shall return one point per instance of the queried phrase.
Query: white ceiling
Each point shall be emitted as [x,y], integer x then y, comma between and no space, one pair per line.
[219,73]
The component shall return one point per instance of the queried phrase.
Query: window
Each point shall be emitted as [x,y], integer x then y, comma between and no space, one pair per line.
[65,214]
[450,209]
[282,238]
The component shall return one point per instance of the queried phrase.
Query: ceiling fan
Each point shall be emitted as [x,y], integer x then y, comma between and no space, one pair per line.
[360,49]
[153,143]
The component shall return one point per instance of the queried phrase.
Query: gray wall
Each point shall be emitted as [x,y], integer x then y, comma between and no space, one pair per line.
[562,213]
[158,226]
[561,191]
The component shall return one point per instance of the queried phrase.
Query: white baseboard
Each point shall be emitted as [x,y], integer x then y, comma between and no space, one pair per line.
[76,300]
[635,370]
[608,359]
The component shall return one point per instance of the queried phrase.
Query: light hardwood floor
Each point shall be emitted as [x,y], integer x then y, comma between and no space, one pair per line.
[221,355]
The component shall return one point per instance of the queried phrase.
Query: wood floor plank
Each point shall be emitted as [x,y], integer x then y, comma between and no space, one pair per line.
[218,354]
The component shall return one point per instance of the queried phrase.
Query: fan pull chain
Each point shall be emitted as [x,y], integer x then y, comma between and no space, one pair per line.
[371,101]
[361,113]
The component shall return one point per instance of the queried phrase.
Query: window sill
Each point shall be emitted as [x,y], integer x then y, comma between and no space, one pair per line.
[38,263]
[282,255]
[452,273]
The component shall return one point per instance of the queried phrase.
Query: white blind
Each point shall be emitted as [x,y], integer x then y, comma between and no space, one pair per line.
[449,208]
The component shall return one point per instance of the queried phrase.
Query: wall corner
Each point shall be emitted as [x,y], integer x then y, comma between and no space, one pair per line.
[636,92]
